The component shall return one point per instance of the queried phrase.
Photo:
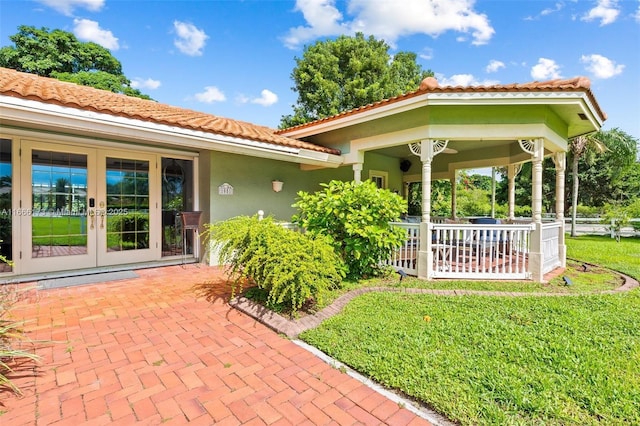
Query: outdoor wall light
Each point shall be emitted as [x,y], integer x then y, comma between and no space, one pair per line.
[277,185]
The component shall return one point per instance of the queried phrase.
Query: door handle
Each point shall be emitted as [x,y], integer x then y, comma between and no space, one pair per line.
[92,215]
[103,213]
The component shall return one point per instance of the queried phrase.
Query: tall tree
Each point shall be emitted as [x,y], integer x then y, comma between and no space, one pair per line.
[59,54]
[338,75]
[588,148]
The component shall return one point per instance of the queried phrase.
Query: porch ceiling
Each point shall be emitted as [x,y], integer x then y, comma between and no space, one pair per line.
[402,151]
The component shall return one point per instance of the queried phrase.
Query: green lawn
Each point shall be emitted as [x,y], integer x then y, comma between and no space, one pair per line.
[496,360]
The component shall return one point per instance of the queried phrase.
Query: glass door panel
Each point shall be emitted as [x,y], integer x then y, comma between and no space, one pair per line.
[129,208]
[86,207]
[177,197]
[59,204]
[55,215]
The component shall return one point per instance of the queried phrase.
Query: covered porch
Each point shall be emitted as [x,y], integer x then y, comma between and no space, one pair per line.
[435,132]
[483,248]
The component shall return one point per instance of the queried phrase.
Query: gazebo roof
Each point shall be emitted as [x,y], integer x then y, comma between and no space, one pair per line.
[430,86]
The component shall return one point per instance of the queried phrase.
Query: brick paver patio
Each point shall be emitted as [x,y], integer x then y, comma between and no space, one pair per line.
[164,348]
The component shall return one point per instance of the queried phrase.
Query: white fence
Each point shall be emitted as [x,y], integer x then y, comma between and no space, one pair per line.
[481,251]
[469,251]
[551,233]
[406,258]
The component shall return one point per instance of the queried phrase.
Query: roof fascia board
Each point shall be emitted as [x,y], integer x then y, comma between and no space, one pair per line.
[579,99]
[55,116]
[453,98]
[359,117]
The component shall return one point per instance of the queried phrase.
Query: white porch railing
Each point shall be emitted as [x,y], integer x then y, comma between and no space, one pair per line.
[469,251]
[406,258]
[550,239]
[481,251]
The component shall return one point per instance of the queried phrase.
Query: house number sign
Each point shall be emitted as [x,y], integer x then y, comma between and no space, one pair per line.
[225,189]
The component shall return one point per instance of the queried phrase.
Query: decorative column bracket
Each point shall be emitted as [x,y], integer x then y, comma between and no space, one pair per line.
[517,168]
[437,146]
[530,146]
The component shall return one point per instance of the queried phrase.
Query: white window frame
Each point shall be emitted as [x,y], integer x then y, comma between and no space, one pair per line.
[379,176]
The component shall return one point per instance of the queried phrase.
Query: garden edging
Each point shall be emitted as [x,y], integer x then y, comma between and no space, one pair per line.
[292,328]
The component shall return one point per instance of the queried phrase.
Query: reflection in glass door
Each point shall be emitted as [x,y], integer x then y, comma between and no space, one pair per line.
[127,208]
[59,204]
[88,207]
[177,197]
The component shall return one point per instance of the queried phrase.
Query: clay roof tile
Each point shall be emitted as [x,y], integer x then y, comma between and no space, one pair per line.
[52,91]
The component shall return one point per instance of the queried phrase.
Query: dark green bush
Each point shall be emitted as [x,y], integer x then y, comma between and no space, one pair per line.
[356,217]
[292,267]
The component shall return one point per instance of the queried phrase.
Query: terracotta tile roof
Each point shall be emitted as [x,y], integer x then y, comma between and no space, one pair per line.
[51,91]
[430,85]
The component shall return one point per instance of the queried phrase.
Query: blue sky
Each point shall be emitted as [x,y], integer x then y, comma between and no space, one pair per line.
[235,58]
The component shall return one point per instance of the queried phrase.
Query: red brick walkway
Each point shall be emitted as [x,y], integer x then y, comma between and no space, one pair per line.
[166,348]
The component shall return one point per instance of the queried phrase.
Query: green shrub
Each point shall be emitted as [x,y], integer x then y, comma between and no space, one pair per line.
[587,211]
[356,217]
[522,211]
[292,267]
[473,202]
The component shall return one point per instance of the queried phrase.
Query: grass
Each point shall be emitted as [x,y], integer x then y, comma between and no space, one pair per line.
[499,360]
[603,250]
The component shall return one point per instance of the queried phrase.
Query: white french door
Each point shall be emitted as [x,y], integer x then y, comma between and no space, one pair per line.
[86,207]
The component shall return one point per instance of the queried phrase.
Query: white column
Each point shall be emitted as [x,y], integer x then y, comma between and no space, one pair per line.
[511,176]
[426,186]
[426,149]
[425,255]
[493,192]
[536,256]
[536,181]
[454,195]
[357,172]
[560,161]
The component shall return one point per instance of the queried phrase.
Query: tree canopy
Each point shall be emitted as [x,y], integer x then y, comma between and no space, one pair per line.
[349,72]
[59,54]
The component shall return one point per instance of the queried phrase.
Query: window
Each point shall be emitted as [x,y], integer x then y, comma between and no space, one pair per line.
[379,178]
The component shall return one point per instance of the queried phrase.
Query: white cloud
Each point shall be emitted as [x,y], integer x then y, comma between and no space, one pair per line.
[267,98]
[495,65]
[463,80]
[390,20]
[426,54]
[545,69]
[322,18]
[88,30]
[191,40]
[149,83]
[210,95]
[600,66]
[548,11]
[606,11]
[66,7]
